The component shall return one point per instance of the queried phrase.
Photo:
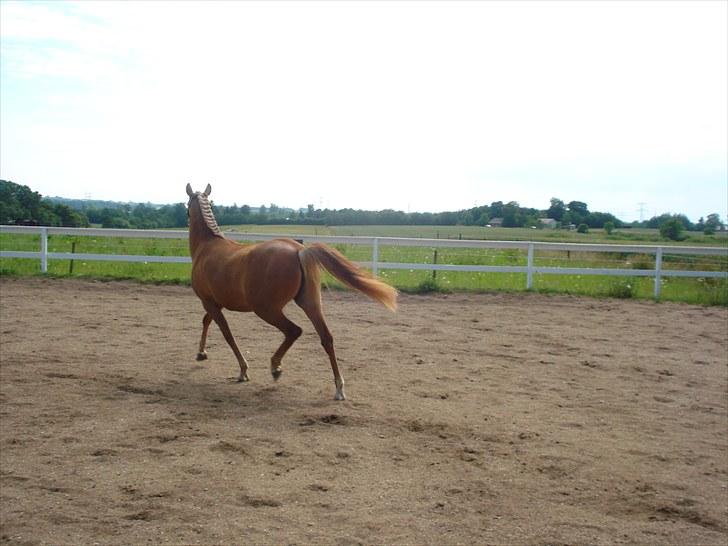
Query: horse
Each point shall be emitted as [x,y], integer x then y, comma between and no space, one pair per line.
[263,278]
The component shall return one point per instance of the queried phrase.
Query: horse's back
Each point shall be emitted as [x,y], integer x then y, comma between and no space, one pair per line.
[249,277]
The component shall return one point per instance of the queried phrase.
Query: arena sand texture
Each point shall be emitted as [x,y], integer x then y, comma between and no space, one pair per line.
[471,419]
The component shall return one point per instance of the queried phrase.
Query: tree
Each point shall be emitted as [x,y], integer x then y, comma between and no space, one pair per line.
[556,210]
[20,204]
[712,224]
[483,219]
[179,215]
[496,209]
[114,218]
[599,219]
[609,227]
[69,217]
[144,217]
[468,219]
[578,212]
[512,216]
[262,216]
[657,221]
[672,229]
[578,207]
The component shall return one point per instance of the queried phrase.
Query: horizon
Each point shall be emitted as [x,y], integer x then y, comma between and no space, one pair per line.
[411,106]
[301,209]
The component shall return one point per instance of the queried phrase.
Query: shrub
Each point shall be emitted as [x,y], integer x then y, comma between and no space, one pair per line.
[428,286]
[672,229]
[583,228]
[643,261]
[609,227]
[622,288]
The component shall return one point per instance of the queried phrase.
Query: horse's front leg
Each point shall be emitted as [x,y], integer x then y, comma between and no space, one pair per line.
[216,315]
[201,353]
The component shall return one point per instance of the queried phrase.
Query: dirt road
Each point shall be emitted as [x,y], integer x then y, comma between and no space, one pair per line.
[471,419]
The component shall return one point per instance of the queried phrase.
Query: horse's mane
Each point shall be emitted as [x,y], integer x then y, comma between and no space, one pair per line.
[207,215]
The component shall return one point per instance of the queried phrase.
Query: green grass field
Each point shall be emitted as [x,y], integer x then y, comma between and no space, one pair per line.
[704,291]
[625,236]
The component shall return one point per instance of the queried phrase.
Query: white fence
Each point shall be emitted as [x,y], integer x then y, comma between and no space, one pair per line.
[375,242]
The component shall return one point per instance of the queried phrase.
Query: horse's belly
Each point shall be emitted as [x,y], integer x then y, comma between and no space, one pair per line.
[230,294]
[238,306]
[223,290]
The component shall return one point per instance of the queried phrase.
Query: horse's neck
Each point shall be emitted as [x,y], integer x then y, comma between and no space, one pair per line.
[200,234]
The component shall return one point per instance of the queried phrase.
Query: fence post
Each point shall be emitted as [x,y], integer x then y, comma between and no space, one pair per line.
[375,255]
[73,251]
[44,250]
[658,272]
[529,273]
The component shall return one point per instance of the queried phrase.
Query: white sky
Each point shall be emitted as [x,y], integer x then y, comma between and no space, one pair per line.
[420,106]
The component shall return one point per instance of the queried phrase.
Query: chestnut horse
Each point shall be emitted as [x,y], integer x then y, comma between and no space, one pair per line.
[263,278]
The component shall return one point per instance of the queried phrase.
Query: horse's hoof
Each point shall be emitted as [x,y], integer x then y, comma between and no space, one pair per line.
[243,378]
[201,356]
[276,373]
[339,396]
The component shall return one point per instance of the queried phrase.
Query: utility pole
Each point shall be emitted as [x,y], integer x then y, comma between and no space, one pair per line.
[641,210]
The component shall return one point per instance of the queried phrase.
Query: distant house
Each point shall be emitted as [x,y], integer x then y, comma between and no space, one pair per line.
[496,222]
[549,223]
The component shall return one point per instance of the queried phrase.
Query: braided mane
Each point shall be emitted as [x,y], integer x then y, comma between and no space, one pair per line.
[207,215]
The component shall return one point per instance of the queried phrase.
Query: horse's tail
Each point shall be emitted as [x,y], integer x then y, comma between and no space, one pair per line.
[335,263]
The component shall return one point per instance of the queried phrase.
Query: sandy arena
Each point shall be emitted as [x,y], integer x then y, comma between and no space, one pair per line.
[470,419]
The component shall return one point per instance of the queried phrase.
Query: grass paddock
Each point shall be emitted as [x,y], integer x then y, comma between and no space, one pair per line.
[704,291]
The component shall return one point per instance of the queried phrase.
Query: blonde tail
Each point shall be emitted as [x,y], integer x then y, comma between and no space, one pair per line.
[340,267]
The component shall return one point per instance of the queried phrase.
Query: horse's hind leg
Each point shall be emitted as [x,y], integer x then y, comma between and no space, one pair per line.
[215,314]
[201,353]
[311,305]
[291,332]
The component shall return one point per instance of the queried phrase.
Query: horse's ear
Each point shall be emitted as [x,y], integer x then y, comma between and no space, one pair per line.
[189,190]
[207,191]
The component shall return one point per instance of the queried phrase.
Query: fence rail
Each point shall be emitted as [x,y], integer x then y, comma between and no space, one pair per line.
[530,247]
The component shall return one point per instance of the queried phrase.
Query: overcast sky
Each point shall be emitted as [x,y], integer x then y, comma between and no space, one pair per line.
[415,106]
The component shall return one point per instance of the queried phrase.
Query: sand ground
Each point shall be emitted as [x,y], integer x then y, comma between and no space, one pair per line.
[470,419]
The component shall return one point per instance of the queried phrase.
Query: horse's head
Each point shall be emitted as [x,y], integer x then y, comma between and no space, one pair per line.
[199,210]
[195,194]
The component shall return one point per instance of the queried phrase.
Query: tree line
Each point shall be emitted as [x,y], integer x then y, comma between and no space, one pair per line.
[21,205]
